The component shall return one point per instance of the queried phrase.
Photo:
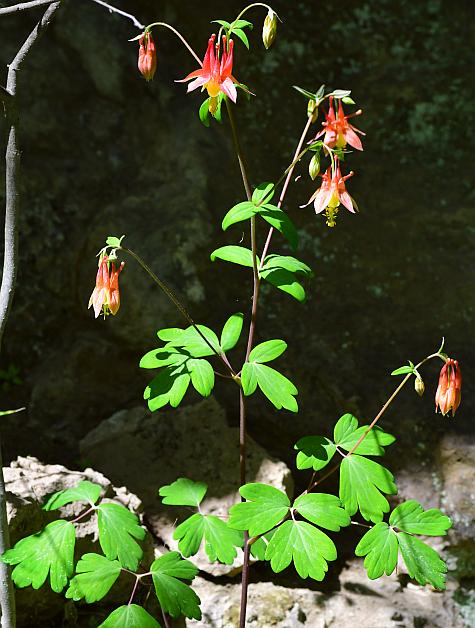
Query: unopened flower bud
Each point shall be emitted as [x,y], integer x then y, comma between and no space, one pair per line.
[419,386]
[314,166]
[269,29]
[312,110]
[147,62]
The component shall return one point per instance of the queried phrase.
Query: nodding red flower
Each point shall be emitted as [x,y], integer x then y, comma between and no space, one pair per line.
[332,193]
[338,131]
[106,296]
[449,390]
[216,73]
[147,63]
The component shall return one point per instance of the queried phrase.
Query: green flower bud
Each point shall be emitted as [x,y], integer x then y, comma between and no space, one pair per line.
[314,166]
[312,110]
[419,386]
[269,29]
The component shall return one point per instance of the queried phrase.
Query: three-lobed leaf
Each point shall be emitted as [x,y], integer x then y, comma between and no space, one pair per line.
[412,518]
[220,540]
[323,510]
[85,491]
[347,434]
[183,492]
[422,561]
[308,547]
[265,507]
[361,481]
[95,575]
[315,452]
[380,547]
[130,616]
[118,530]
[50,551]
[276,387]
[175,597]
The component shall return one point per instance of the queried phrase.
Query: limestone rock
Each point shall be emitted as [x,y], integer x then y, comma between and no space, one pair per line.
[145,451]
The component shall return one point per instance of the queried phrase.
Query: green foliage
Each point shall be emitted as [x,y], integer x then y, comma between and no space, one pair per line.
[347,434]
[323,510]
[308,547]
[85,491]
[203,112]
[263,193]
[234,254]
[130,616]
[267,351]
[361,481]
[118,529]
[232,331]
[183,492]
[278,219]
[175,597]
[95,575]
[315,452]
[220,540]
[169,386]
[411,518]
[380,545]
[238,213]
[50,551]
[265,508]
[275,386]
[202,376]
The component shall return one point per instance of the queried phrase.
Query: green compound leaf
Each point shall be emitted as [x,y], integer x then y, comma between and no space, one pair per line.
[267,351]
[202,376]
[278,219]
[234,254]
[85,491]
[422,562]
[220,540]
[203,112]
[275,386]
[361,481]
[118,529]
[157,358]
[175,597]
[195,344]
[292,264]
[130,616]
[410,517]
[183,492]
[265,507]
[284,280]
[238,213]
[315,452]
[95,575]
[169,386]
[49,551]
[242,36]
[263,193]
[347,434]
[232,331]
[322,509]
[380,547]
[308,547]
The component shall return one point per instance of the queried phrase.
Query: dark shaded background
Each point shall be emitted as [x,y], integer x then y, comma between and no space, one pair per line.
[105,153]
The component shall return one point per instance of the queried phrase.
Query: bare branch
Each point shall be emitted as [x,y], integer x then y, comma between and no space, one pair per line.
[10,266]
[24,5]
[112,9]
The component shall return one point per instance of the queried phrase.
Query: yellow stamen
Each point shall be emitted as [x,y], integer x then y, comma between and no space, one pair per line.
[330,214]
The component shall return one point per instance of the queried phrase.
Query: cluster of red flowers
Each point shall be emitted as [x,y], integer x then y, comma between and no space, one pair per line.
[106,297]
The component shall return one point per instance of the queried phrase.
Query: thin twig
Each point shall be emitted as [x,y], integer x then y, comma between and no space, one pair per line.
[129,16]
[22,6]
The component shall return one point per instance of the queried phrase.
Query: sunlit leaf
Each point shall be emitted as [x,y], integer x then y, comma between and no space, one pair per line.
[175,597]
[265,507]
[183,492]
[95,575]
[118,530]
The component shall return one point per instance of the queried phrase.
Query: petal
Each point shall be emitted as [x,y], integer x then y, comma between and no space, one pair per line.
[191,75]
[353,139]
[346,200]
[228,88]
[321,201]
[198,82]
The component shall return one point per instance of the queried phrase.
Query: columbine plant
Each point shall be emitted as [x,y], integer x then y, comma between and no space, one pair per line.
[267,524]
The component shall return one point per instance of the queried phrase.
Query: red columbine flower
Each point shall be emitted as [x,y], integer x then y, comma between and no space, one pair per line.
[216,74]
[147,63]
[332,193]
[449,390]
[338,131]
[106,295]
